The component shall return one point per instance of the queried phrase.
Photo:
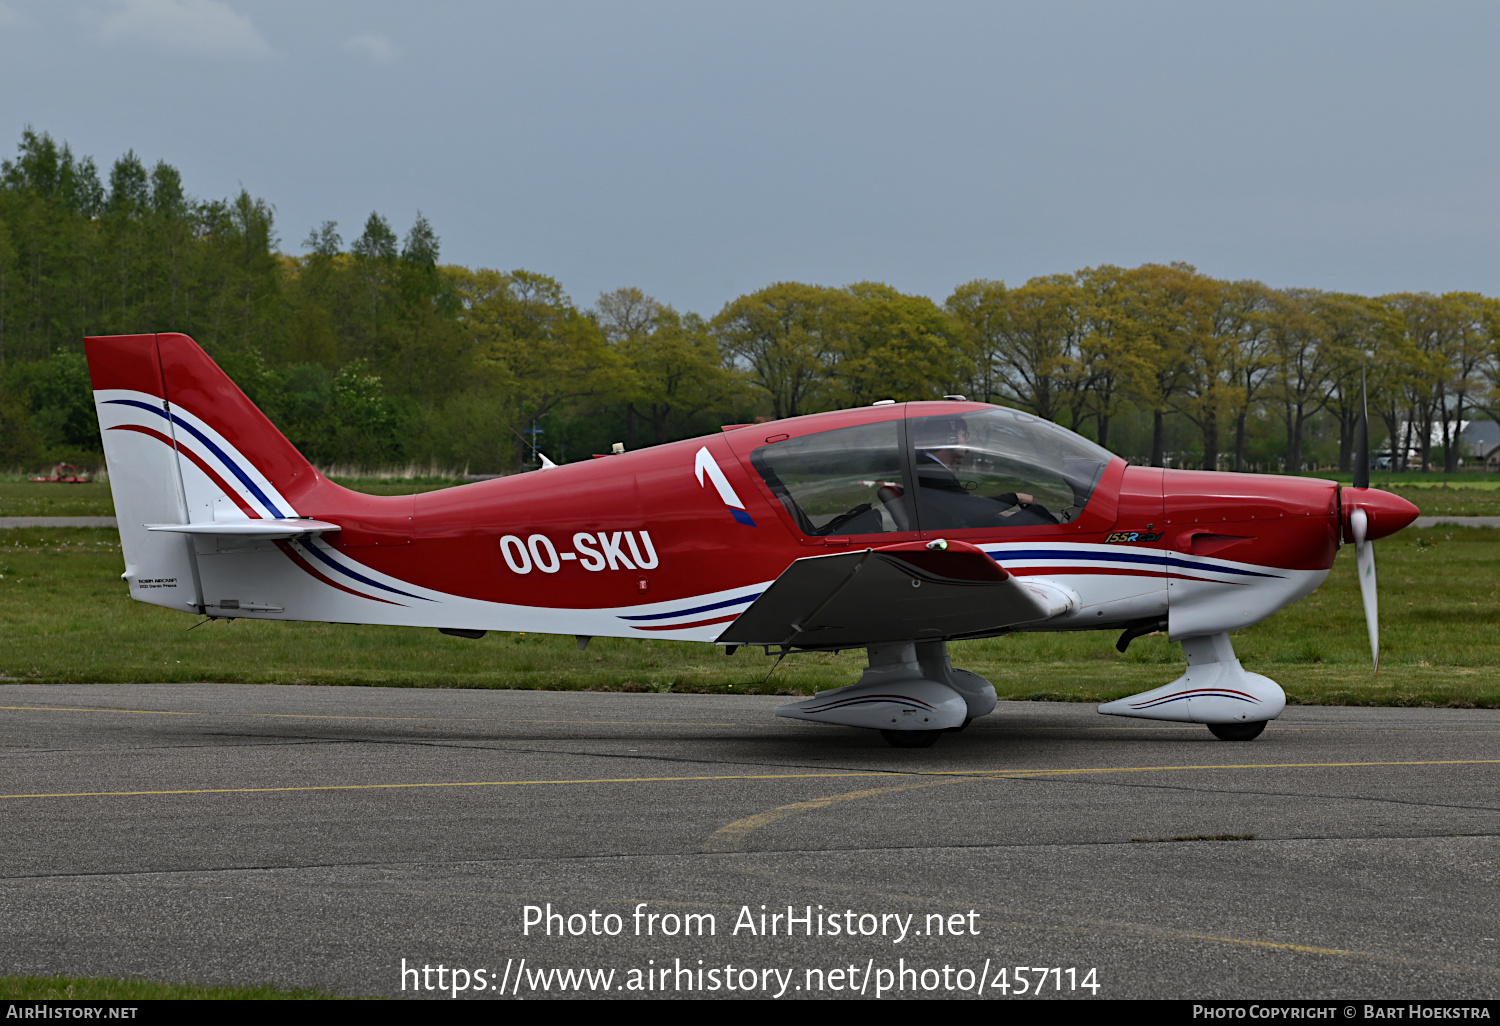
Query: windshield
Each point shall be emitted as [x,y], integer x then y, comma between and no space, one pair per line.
[845,481]
[1001,468]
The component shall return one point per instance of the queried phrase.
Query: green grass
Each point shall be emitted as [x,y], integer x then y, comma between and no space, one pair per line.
[1467,478]
[1470,493]
[1467,495]
[70,988]
[67,617]
[22,498]
[1440,501]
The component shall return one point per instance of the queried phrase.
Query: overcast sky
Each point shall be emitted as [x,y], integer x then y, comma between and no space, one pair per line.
[701,150]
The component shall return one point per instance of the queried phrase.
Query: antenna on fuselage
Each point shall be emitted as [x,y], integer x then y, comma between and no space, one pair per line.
[546,464]
[1362,438]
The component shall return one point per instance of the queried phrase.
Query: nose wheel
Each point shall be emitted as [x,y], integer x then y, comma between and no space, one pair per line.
[1237,731]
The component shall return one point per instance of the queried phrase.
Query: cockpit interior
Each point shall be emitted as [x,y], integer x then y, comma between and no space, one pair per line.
[995,468]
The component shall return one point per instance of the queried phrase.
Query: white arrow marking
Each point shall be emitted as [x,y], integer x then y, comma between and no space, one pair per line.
[706,464]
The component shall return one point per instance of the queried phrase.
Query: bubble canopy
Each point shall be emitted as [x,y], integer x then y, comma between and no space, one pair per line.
[993,468]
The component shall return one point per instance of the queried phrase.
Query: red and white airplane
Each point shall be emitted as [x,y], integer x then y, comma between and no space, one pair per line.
[896,528]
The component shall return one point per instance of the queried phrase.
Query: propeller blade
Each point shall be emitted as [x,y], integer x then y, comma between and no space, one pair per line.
[1362,439]
[1364,560]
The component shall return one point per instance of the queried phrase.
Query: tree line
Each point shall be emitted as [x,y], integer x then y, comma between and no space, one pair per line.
[372,351]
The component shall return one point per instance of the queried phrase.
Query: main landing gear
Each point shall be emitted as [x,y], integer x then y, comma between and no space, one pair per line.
[910,692]
[1216,691]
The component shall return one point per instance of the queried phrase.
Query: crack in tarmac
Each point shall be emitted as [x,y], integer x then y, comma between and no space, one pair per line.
[1196,921]
[125,874]
[1092,781]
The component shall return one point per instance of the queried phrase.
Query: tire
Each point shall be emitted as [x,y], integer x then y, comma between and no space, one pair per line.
[962,726]
[911,738]
[1237,731]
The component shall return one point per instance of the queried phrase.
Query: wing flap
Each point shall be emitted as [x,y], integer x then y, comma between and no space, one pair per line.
[898,593]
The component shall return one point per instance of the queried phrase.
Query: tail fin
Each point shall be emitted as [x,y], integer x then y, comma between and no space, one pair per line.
[184,445]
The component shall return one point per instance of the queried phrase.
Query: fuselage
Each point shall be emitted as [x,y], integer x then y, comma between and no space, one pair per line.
[893,528]
[678,540]
[644,544]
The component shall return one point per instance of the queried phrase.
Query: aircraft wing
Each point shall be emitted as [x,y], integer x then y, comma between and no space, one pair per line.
[906,592]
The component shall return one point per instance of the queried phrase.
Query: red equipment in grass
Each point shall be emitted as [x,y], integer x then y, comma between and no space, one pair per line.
[64,473]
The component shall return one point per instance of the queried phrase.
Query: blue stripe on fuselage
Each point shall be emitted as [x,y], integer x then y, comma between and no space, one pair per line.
[324,557]
[694,609]
[1163,558]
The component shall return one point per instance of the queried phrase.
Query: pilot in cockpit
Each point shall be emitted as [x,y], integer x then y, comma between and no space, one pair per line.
[941,447]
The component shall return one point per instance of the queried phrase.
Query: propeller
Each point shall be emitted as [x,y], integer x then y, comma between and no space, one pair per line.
[1359,523]
[1364,560]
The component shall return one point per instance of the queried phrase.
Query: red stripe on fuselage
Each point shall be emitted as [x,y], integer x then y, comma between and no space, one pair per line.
[1109,571]
[685,626]
[296,557]
[284,546]
[213,475]
[1202,691]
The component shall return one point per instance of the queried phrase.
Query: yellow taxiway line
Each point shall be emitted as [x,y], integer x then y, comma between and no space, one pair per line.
[333,716]
[442,784]
[992,774]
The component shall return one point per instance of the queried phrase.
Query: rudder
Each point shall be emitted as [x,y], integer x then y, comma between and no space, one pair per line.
[129,397]
[184,445]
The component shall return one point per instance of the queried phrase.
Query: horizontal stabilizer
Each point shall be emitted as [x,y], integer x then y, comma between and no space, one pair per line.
[910,592]
[267,529]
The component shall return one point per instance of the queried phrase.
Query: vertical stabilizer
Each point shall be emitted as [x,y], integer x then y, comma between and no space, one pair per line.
[184,446]
[264,468]
[139,447]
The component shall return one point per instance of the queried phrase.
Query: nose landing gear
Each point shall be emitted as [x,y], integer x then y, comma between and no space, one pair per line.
[1216,691]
